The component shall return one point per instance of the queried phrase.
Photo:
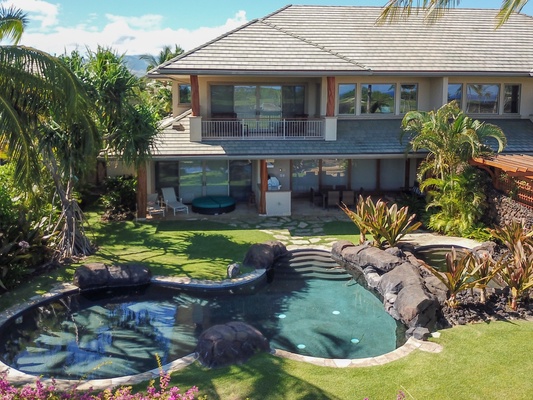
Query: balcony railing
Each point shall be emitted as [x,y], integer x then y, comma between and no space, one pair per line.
[263,128]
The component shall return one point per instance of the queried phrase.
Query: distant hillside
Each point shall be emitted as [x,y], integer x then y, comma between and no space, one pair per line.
[136,65]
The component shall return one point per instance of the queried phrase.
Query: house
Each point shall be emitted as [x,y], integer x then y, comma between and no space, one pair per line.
[314,95]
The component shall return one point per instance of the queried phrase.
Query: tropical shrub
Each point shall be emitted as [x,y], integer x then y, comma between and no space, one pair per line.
[458,202]
[516,269]
[462,271]
[42,391]
[23,248]
[119,199]
[387,225]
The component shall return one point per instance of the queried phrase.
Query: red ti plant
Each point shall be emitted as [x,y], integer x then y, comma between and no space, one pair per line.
[460,274]
[516,270]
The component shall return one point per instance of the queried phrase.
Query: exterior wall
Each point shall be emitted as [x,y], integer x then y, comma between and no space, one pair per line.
[177,108]
[392,174]
[364,174]
[438,94]
[117,168]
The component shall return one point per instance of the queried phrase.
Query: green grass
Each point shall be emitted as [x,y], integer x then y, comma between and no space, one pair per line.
[483,361]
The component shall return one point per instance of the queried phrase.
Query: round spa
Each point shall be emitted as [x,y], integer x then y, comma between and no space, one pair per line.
[213,205]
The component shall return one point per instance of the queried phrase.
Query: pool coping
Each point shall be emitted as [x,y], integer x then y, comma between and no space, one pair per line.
[20,378]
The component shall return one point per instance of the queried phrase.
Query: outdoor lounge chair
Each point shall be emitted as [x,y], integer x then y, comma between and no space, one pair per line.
[170,200]
[333,198]
[153,206]
[348,198]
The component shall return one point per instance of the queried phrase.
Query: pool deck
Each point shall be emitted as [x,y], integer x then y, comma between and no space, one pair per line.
[304,229]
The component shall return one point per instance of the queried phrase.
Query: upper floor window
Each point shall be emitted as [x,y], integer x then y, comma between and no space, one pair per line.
[455,92]
[250,101]
[511,99]
[482,98]
[184,93]
[377,98]
[408,98]
[347,98]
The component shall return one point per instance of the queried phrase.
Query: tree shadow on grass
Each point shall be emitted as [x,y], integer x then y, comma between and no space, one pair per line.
[171,252]
[265,375]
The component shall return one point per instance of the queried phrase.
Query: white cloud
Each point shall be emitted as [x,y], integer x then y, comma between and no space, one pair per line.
[138,35]
[37,10]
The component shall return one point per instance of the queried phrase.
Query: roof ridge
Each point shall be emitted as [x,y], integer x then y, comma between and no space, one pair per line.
[324,48]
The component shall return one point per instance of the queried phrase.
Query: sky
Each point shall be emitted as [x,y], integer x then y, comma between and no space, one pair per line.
[136,27]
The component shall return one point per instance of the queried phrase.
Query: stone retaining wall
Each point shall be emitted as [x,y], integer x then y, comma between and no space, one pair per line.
[409,295]
[502,210]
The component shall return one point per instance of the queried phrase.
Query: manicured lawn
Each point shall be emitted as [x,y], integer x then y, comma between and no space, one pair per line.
[483,361]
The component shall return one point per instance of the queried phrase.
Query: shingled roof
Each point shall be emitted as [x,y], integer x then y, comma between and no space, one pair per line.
[319,40]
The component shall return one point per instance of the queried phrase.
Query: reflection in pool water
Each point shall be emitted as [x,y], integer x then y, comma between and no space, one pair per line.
[310,309]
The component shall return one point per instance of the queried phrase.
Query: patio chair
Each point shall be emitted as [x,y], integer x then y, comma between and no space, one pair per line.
[348,198]
[315,198]
[333,198]
[170,200]
[153,206]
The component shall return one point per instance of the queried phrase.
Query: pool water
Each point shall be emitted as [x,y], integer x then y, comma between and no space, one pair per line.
[312,307]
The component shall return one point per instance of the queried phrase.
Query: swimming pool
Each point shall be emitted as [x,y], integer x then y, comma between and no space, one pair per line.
[312,308]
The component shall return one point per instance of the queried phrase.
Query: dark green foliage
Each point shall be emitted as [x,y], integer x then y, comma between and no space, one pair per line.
[459,202]
[119,199]
[22,246]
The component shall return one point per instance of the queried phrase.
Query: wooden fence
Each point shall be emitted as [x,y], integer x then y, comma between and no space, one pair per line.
[518,189]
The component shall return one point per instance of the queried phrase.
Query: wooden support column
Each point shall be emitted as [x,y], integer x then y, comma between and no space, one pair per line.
[142,190]
[330,105]
[407,173]
[195,96]
[264,186]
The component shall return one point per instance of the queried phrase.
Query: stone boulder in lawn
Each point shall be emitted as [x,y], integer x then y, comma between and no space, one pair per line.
[231,343]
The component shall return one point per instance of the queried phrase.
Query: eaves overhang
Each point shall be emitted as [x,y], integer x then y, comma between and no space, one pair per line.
[170,73]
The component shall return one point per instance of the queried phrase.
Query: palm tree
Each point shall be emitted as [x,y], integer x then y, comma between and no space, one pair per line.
[45,120]
[160,93]
[450,137]
[127,124]
[396,9]
[165,54]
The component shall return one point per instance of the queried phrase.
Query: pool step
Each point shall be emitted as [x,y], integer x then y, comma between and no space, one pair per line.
[312,263]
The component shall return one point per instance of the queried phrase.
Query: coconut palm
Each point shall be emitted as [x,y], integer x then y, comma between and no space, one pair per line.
[45,121]
[160,93]
[395,9]
[165,54]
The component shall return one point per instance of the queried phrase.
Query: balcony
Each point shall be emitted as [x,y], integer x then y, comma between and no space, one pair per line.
[263,129]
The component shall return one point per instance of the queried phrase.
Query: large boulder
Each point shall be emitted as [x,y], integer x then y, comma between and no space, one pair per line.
[408,295]
[416,307]
[231,343]
[264,255]
[368,256]
[402,276]
[100,275]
